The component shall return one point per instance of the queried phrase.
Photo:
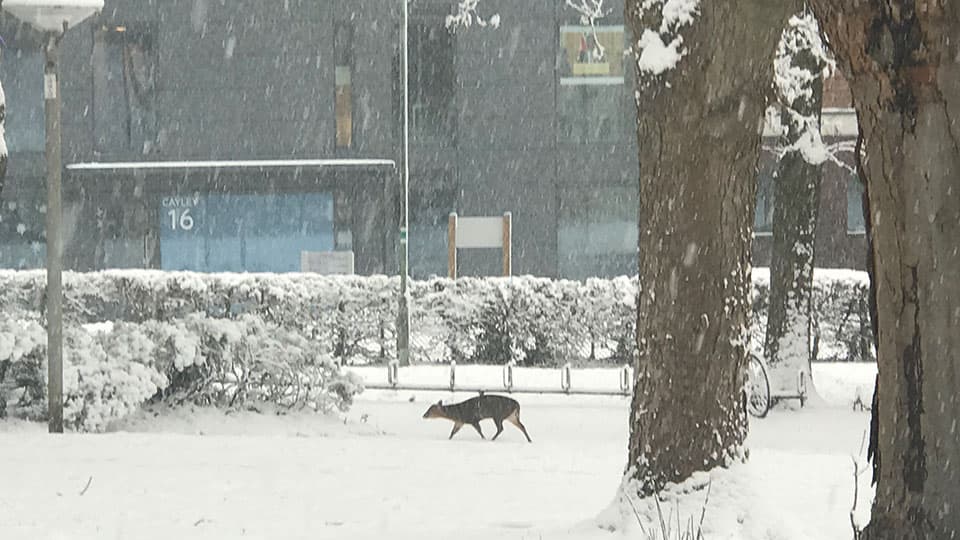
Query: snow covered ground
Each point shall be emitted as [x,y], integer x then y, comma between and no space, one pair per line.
[382,472]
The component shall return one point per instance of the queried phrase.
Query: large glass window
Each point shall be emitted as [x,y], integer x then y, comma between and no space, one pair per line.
[589,114]
[432,198]
[22,237]
[22,205]
[21,69]
[855,219]
[763,213]
[597,233]
[124,89]
[591,105]
[343,103]
[432,80]
[766,188]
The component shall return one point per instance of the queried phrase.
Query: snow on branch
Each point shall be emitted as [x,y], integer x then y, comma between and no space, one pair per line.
[590,10]
[467,15]
[659,49]
[832,152]
[802,60]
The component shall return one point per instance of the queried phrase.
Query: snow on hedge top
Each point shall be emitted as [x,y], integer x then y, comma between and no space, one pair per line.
[659,51]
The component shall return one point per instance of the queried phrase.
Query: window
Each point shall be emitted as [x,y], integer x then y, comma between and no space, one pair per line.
[597,233]
[343,104]
[124,89]
[591,105]
[21,69]
[763,213]
[432,80]
[591,55]
[588,114]
[855,220]
[432,198]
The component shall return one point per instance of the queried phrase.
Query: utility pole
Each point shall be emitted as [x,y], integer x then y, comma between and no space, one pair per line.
[403,311]
[51,100]
[53,18]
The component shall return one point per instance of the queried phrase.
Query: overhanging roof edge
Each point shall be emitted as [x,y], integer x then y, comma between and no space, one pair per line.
[230,164]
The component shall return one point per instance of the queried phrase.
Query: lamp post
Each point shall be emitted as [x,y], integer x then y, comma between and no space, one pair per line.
[403,311]
[53,18]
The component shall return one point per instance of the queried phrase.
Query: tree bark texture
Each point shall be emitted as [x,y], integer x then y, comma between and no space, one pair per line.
[787,344]
[902,59]
[699,129]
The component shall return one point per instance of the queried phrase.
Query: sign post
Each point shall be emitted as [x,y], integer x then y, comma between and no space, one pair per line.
[480,232]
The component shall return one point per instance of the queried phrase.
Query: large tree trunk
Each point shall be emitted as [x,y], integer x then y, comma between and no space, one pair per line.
[699,131]
[788,340]
[903,62]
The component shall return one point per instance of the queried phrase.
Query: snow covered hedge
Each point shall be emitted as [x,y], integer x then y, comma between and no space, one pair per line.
[841,314]
[127,342]
[133,336]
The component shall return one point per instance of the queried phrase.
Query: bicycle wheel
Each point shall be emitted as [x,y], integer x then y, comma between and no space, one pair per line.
[758,388]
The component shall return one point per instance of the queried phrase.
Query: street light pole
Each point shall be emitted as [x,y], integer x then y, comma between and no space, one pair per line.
[53,18]
[51,100]
[403,313]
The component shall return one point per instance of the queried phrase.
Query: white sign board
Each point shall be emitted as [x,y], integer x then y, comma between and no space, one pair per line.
[480,232]
[327,262]
[49,86]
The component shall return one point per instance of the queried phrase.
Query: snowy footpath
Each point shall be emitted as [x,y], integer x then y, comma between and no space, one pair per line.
[383,472]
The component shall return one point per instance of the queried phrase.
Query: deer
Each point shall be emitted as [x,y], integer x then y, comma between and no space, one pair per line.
[473,410]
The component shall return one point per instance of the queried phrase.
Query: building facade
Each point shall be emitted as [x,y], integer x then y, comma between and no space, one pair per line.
[211,136]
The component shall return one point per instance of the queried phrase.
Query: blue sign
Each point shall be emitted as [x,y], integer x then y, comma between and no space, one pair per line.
[243,233]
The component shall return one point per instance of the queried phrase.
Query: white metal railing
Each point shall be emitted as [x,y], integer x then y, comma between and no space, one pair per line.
[509,386]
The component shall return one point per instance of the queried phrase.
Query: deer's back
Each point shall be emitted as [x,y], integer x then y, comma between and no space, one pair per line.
[482,407]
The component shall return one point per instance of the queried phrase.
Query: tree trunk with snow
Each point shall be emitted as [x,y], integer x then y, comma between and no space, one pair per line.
[799,71]
[699,128]
[902,59]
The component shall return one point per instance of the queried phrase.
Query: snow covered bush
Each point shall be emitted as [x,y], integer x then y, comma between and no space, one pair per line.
[200,324]
[112,368]
[229,362]
[22,352]
[106,376]
[841,314]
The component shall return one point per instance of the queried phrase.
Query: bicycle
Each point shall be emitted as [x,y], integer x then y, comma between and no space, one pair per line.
[757,387]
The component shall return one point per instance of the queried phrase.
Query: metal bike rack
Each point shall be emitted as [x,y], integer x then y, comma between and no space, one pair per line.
[801,393]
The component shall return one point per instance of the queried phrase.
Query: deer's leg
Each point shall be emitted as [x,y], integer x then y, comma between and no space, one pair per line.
[499,423]
[515,420]
[456,428]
